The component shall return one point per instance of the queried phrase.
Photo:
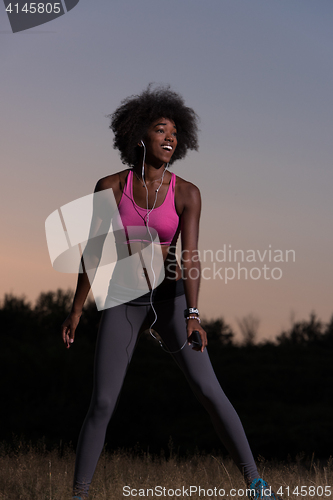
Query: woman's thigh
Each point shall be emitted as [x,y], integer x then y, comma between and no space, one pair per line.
[117,336]
[195,365]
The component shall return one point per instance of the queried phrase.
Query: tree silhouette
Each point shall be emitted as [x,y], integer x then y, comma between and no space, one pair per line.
[304,333]
[46,388]
[249,326]
[218,332]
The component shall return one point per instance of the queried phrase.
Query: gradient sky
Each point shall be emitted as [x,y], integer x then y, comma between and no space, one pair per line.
[259,75]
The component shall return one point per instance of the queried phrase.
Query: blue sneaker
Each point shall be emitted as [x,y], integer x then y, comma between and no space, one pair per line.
[259,490]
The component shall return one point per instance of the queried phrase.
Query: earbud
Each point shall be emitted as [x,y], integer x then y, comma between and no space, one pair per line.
[143,144]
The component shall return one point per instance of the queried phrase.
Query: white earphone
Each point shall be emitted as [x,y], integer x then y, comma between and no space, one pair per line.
[152,250]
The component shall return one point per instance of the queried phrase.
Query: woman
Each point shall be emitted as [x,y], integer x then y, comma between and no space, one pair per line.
[153,206]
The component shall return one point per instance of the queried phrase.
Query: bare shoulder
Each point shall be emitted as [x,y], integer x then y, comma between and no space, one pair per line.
[113,181]
[187,195]
[185,187]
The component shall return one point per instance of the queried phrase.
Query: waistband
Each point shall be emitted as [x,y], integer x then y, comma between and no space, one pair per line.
[165,291]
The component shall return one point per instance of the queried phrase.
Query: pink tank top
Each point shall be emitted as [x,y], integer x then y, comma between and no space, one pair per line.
[162,221]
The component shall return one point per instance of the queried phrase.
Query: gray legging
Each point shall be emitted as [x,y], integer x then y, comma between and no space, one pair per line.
[117,337]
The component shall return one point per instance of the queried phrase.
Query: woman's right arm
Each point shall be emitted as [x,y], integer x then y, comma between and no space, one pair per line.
[104,205]
[69,325]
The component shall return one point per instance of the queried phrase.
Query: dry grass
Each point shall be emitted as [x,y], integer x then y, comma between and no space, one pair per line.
[33,473]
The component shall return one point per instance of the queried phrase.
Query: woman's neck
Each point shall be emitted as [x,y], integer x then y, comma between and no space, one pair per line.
[151,172]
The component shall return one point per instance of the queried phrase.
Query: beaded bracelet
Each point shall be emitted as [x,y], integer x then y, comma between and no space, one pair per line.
[194,317]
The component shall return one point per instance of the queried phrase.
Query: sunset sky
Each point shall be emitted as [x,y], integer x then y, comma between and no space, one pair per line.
[259,73]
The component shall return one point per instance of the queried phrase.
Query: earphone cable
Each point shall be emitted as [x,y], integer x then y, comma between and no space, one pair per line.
[152,251]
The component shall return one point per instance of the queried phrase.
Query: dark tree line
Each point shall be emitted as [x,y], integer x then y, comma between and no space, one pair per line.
[282,390]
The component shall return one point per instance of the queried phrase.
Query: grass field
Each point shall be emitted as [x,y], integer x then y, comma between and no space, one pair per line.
[33,473]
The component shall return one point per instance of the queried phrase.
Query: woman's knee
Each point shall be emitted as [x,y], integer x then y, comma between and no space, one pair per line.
[207,393]
[102,407]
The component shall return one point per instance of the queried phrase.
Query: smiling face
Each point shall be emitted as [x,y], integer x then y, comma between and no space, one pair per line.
[160,141]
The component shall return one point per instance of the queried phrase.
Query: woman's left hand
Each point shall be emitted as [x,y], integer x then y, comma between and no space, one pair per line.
[192,325]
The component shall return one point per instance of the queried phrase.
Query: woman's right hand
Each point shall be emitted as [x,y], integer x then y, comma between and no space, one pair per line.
[68,328]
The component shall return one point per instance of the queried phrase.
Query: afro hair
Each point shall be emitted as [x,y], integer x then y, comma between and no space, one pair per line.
[135,114]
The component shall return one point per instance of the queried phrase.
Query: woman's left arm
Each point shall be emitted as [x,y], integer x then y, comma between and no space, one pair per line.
[190,261]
